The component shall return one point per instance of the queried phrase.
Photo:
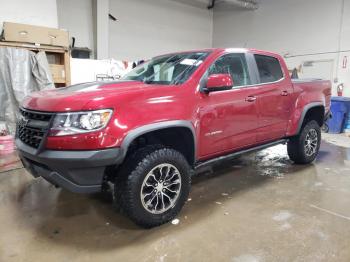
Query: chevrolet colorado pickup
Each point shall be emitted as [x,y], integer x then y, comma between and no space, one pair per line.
[145,134]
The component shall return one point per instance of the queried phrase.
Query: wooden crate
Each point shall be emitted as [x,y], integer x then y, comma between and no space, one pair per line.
[58,73]
[58,58]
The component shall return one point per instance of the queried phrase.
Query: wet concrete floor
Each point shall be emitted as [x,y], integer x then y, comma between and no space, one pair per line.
[259,207]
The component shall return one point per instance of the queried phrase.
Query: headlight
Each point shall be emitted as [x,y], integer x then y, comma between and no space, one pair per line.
[79,122]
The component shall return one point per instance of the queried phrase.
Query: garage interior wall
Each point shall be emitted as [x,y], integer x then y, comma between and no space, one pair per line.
[34,12]
[148,28]
[77,17]
[308,33]
[153,27]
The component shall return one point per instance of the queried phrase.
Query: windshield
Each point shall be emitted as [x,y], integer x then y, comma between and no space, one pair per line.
[167,69]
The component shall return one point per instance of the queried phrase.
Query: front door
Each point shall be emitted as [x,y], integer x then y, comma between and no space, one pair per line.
[228,119]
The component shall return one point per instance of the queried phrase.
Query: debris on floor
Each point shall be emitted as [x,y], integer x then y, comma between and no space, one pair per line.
[56,231]
[175,221]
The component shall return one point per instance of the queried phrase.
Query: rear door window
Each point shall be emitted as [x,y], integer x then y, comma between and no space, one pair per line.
[269,68]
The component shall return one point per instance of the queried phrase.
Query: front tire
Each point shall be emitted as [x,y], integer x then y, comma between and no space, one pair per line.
[303,148]
[153,185]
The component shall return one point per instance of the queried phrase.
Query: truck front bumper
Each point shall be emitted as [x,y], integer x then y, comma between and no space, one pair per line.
[76,171]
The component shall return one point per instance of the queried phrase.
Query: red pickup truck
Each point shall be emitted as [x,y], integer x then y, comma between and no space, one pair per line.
[145,134]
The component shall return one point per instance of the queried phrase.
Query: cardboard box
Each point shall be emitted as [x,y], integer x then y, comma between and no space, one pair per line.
[58,73]
[35,34]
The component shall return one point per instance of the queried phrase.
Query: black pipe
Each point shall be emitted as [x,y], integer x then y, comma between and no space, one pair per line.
[212,4]
[320,53]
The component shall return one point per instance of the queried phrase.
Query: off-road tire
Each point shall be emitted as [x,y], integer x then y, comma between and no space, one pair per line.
[296,145]
[130,178]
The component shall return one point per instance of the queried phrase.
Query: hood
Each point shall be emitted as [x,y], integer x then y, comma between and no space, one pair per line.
[84,96]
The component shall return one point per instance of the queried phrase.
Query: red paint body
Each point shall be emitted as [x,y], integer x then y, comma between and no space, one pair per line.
[219,80]
[237,118]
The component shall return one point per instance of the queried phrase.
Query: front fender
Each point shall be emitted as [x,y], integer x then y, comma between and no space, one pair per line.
[134,133]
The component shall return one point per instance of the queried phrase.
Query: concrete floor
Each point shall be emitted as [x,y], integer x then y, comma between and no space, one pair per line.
[257,208]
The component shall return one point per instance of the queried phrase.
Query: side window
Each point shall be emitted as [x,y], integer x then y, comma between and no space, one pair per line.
[233,64]
[269,68]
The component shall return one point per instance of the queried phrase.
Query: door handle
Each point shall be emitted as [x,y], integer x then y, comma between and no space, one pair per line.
[284,93]
[250,98]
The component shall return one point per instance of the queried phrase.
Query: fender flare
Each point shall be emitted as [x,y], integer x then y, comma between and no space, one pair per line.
[305,110]
[134,133]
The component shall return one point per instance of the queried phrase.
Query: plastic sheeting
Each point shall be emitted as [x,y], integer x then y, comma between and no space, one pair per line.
[89,70]
[21,72]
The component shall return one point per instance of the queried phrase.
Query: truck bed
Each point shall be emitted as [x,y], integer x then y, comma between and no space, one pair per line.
[310,87]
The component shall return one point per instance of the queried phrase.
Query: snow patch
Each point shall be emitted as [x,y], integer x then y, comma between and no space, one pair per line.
[285,226]
[282,215]
[246,258]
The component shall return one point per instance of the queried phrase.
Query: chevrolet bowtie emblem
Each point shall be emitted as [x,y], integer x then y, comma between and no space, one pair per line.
[24,121]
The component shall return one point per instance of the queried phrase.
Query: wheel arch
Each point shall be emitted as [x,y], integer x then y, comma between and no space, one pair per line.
[312,111]
[165,126]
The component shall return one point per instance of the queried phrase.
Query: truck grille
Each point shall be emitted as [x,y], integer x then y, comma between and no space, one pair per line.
[32,127]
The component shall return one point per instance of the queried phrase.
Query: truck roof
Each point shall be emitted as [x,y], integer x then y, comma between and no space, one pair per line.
[228,49]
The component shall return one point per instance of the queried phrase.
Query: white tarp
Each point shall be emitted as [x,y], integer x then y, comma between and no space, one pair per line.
[21,72]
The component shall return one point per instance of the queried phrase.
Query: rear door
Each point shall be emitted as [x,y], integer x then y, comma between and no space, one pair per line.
[228,119]
[274,98]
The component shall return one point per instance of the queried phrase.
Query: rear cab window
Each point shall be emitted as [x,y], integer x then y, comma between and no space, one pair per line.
[269,68]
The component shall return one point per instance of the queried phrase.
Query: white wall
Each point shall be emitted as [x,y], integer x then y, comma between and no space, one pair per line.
[344,73]
[144,28]
[150,27]
[76,16]
[35,12]
[293,27]
[102,29]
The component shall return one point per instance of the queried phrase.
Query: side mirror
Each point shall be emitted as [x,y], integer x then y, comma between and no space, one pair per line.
[218,82]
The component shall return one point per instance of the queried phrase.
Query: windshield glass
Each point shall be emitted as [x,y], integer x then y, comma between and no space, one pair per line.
[167,69]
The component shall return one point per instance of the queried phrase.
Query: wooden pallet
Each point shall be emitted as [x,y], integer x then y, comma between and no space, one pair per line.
[58,58]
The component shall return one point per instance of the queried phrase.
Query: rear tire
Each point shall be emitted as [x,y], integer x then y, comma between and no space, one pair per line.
[303,148]
[153,185]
